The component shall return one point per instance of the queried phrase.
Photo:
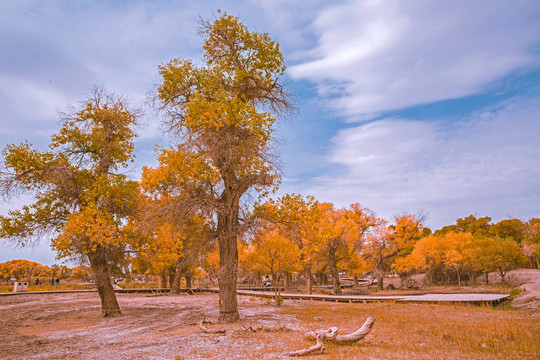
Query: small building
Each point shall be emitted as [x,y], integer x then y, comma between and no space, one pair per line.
[20,286]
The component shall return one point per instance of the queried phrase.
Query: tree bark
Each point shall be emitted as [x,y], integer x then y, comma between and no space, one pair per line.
[334,271]
[172,276]
[162,281]
[287,281]
[379,275]
[128,274]
[188,279]
[309,285]
[99,266]
[228,257]
[175,285]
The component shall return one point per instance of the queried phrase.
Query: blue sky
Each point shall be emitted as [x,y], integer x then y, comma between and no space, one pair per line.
[403,106]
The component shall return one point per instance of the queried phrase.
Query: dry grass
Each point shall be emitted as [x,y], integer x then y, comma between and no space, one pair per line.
[68,326]
[414,331]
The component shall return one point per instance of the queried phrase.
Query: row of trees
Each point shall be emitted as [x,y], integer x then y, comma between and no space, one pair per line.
[221,115]
[25,270]
[191,212]
[353,240]
[474,245]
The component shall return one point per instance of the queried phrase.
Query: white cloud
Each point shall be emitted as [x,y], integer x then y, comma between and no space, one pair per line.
[486,163]
[383,55]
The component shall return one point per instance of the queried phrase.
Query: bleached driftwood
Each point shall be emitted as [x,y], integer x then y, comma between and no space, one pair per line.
[329,334]
[309,350]
[332,334]
[358,334]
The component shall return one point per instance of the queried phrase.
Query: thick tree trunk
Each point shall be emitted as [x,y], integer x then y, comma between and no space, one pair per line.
[228,270]
[355,279]
[334,271]
[309,285]
[172,276]
[99,266]
[379,275]
[228,257]
[175,285]
[128,274]
[287,281]
[162,281]
[188,279]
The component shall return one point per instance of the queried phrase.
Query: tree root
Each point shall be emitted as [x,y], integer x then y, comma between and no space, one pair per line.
[332,334]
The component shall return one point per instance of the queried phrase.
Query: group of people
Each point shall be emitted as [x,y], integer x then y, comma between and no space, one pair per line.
[54,281]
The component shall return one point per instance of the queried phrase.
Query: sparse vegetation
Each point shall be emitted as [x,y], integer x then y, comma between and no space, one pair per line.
[168,326]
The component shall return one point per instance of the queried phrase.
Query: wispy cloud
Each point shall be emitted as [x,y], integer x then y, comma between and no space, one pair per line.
[482,163]
[375,56]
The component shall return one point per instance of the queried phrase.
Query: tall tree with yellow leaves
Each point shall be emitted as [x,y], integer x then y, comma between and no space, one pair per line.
[223,114]
[296,217]
[384,242]
[338,233]
[270,252]
[82,199]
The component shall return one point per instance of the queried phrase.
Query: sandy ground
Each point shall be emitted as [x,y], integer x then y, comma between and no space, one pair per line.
[529,282]
[68,326]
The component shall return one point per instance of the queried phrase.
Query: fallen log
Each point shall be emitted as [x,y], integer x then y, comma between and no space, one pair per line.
[309,350]
[358,334]
[332,334]
[329,334]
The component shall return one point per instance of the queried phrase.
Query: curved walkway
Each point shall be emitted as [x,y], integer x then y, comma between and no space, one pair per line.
[433,298]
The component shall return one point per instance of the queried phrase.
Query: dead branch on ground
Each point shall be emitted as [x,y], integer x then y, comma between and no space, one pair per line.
[309,350]
[332,334]
[266,328]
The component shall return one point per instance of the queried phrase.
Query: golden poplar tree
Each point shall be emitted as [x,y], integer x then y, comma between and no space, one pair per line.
[222,113]
[82,199]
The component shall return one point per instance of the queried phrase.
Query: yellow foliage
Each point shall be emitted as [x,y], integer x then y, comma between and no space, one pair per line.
[272,253]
